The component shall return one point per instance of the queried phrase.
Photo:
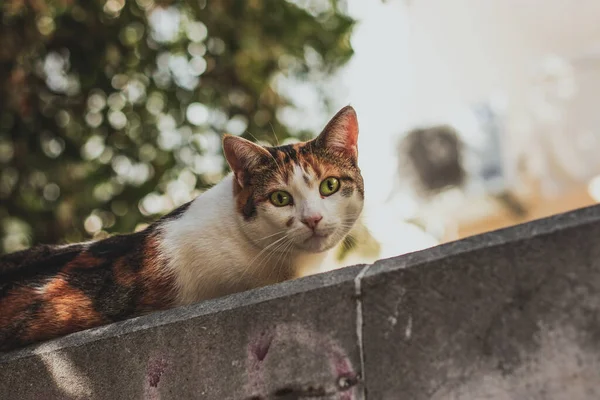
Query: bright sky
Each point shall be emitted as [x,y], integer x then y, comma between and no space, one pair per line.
[377,83]
[427,60]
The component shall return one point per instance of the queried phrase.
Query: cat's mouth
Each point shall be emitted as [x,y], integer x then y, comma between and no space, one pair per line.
[318,236]
[317,241]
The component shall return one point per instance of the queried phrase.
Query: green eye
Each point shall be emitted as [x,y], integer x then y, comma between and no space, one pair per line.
[281,198]
[329,186]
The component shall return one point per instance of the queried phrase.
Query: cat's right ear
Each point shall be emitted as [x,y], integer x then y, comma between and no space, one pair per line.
[243,156]
[341,133]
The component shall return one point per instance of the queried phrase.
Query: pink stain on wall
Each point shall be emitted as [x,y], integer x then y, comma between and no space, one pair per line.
[260,344]
[155,369]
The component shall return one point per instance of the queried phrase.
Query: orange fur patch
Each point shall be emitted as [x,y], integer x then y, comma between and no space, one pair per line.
[13,307]
[64,310]
[83,260]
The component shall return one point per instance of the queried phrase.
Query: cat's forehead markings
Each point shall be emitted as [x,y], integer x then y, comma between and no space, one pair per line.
[298,179]
[290,157]
[301,175]
[287,153]
[306,179]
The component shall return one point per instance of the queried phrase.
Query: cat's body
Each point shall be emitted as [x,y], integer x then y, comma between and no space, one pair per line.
[280,210]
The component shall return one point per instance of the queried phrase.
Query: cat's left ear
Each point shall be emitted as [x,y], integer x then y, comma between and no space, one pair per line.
[243,156]
[341,133]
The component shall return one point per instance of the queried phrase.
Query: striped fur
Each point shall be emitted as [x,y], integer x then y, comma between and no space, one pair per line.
[229,239]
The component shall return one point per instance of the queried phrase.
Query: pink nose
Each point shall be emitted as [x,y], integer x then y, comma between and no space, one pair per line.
[312,221]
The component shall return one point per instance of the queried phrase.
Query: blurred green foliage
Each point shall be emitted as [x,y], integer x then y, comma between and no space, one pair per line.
[111,111]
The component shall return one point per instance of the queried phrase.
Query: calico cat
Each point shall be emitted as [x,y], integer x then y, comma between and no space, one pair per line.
[281,208]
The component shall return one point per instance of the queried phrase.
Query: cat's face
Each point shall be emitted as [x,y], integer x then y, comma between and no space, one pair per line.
[300,197]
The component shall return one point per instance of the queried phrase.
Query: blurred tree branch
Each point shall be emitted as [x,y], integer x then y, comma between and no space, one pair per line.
[112,111]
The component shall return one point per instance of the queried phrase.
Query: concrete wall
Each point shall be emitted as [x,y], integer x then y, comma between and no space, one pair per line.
[512,314]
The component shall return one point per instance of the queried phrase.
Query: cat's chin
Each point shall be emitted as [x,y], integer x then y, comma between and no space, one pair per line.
[317,243]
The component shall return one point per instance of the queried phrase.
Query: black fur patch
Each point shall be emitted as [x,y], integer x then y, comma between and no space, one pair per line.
[347,191]
[34,265]
[249,210]
[290,153]
[115,301]
[116,246]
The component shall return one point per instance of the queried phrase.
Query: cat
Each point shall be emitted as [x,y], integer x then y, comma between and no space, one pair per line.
[280,209]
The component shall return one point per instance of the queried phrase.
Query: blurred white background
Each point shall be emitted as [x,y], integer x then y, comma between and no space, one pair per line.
[534,65]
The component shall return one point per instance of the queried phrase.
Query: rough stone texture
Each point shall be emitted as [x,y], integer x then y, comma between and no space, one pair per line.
[513,314]
[509,315]
[282,342]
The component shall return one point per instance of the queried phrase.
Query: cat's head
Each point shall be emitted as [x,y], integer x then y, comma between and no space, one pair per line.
[302,197]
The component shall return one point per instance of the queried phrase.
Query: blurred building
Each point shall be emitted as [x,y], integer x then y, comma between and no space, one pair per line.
[497,100]
[519,81]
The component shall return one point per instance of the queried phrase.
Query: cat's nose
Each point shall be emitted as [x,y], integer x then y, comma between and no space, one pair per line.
[312,221]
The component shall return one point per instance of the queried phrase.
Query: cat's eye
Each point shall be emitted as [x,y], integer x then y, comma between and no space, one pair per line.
[329,186]
[280,198]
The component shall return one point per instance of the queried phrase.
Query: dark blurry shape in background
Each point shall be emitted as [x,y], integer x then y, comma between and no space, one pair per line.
[434,156]
[111,112]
